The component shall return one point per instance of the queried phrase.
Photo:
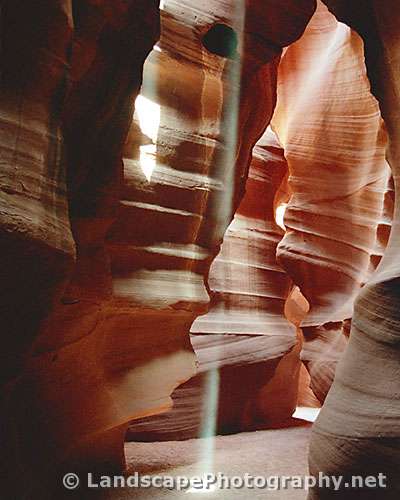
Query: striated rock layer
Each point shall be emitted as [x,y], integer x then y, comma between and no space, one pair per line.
[249,97]
[37,247]
[107,263]
[112,344]
[246,349]
[358,429]
[334,140]
[71,71]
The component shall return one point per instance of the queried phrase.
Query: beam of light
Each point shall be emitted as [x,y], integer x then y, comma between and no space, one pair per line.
[209,422]
[280,215]
[307,414]
[149,114]
[223,168]
[315,76]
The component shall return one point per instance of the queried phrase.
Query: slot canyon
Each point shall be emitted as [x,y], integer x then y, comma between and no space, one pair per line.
[200,247]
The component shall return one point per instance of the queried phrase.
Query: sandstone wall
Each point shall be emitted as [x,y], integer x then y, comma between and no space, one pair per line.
[108,261]
[334,140]
[358,429]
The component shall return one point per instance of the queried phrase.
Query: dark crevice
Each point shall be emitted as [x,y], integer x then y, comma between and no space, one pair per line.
[221,40]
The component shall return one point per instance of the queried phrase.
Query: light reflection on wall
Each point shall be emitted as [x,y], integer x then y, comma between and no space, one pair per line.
[280,215]
[307,414]
[148,113]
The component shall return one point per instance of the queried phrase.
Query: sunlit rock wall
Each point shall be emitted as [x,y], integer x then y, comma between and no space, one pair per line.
[248,352]
[249,96]
[114,325]
[106,263]
[334,140]
[358,431]
[248,295]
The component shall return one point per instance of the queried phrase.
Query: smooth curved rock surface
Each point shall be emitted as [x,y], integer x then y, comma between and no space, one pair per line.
[37,247]
[107,262]
[71,73]
[244,345]
[358,428]
[245,116]
[334,139]
[331,231]
[120,331]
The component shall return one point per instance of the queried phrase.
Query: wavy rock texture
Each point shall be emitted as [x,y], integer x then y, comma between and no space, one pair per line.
[122,325]
[322,349]
[82,360]
[358,429]
[255,102]
[331,130]
[37,248]
[36,243]
[71,73]
[245,347]
[120,331]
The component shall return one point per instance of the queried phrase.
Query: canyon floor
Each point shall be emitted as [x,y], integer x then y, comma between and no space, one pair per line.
[280,452]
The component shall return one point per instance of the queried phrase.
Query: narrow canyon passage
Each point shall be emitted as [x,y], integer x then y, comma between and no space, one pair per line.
[199,241]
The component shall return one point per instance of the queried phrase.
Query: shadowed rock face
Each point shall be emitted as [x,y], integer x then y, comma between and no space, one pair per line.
[70,72]
[107,262]
[36,240]
[37,246]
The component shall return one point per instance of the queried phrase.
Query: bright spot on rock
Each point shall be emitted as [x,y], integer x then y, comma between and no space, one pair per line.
[148,159]
[162,4]
[308,414]
[148,113]
[149,116]
[280,214]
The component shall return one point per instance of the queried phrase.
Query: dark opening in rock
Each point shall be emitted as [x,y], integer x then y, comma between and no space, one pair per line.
[221,40]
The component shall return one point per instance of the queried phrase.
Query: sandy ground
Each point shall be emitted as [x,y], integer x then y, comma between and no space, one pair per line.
[281,452]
